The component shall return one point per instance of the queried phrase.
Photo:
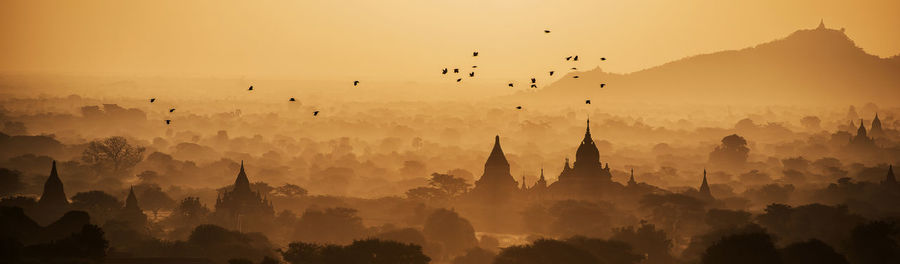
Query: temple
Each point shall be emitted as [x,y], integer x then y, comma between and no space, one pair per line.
[235,205]
[496,183]
[53,202]
[704,190]
[587,177]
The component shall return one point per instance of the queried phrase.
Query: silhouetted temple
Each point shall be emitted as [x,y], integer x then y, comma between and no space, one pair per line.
[496,183]
[132,213]
[877,131]
[587,177]
[862,141]
[704,190]
[241,201]
[53,202]
[890,179]
[631,181]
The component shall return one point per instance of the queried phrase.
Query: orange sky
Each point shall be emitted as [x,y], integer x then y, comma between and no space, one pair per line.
[404,40]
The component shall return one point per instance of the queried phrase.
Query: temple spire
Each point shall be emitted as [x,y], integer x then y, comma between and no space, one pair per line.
[131,202]
[821,24]
[631,180]
[890,179]
[53,189]
[242,183]
[704,187]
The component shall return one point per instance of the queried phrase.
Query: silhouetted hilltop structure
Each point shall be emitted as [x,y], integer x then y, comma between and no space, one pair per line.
[587,177]
[889,179]
[53,202]
[704,190]
[496,183]
[241,203]
[132,213]
[877,131]
[801,65]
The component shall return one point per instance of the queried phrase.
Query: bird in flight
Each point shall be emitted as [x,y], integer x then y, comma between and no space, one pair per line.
[519,107]
[459,80]
[602,84]
[292,99]
[475,54]
[472,74]
[603,58]
[474,66]
[573,68]
[534,86]
[510,84]
[551,73]
[172,110]
[587,101]
[315,113]
[546,31]
[152,100]
[355,83]
[251,88]
[576,58]
[168,121]
[455,70]
[576,76]
[444,71]
[569,58]
[533,80]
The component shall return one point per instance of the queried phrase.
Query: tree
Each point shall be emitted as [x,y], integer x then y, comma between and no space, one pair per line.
[646,239]
[732,154]
[10,181]
[113,154]
[154,199]
[752,248]
[332,225]
[448,184]
[454,233]
[875,242]
[812,251]
[98,204]
[371,251]
[290,190]
[476,256]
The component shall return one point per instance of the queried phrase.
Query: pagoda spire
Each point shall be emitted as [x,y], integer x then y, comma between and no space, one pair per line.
[704,187]
[631,180]
[131,202]
[242,183]
[53,194]
[890,179]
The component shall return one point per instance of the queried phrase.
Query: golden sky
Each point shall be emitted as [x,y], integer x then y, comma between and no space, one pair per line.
[405,40]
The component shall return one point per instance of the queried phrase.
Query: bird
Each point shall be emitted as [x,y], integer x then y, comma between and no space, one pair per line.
[576,58]
[602,84]
[510,84]
[569,58]
[444,71]
[588,101]
[576,76]
[534,86]
[573,68]
[168,121]
[551,73]
[519,107]
[292,99]
[459,80]
[475,54]
[355,83]
[546,31]
[472,74]
[172,110]
[251,88]
[316,113]
[455,70]
[603,58]
[533,80]
[474,66]
[152,100]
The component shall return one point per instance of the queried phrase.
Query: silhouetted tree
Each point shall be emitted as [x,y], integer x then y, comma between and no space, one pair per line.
[675,213]
[606,251]
[404,235]
[831,224]
[454,233]
[154,199]
[367,251]
[220,244]
[751,248]
[290,190]
[544,251]
[874,242]
[724,218]
[99,204]
[450,185]
[332,225]
[476,255]
[732,154]
[811,251]
[24,202]
[112,153]
[646,239]
[577,217]
[10,181]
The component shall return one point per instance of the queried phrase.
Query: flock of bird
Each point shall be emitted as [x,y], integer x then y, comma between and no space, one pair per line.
[444,71]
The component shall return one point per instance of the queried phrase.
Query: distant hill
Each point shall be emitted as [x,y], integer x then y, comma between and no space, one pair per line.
[814,66]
